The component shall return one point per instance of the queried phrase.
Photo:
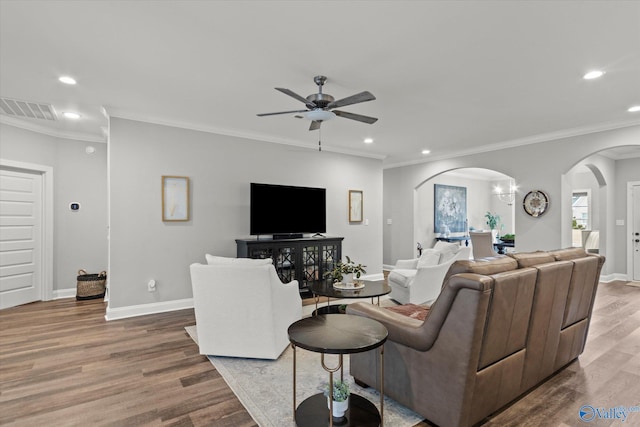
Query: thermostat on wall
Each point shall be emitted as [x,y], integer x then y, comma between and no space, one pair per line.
[75,206]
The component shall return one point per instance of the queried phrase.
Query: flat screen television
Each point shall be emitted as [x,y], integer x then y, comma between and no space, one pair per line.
[283,210]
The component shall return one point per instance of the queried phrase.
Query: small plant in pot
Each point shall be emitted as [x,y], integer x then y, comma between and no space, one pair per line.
[340,398]
[492,220]
[345,272]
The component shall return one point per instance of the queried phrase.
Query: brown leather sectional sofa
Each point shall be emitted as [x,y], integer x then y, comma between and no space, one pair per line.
[499,327]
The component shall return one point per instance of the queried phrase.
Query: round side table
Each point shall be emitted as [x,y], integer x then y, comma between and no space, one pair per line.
[337,334]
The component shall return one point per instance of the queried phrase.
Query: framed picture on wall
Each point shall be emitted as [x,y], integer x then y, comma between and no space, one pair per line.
[450,209]
[175,198]
[355,206]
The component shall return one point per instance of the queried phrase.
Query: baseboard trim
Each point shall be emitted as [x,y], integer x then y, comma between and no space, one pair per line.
[64,293]
[606,278]
[144,309]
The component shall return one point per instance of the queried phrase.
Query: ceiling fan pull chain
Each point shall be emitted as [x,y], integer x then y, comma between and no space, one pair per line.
[320,139]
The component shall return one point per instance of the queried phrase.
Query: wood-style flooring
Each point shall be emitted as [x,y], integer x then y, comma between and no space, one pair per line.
[62,364]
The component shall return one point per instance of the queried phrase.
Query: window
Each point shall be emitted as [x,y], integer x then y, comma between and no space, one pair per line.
[580,210]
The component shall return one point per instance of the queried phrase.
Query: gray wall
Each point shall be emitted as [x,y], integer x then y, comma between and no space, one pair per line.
[220,169]
[80,238]
[537,166]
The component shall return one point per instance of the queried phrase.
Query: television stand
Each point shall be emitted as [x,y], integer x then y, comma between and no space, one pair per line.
[318,235]
[287,236]
[305,260]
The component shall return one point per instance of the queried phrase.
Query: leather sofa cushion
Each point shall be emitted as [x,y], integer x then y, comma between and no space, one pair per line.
[529,259]
[568,254]
[484,266]
[411,310]
[402,276]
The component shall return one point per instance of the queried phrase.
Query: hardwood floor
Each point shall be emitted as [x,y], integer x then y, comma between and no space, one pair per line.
[62,364]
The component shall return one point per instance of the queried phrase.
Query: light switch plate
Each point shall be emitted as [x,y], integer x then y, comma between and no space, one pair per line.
[619,221]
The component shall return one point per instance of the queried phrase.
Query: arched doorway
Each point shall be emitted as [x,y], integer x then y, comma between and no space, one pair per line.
[479,186]
[603,214]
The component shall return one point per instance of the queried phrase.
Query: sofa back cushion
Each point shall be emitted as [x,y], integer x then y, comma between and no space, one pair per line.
[568,254]
[584,281]
[508,316]
[485,266]
[529,259]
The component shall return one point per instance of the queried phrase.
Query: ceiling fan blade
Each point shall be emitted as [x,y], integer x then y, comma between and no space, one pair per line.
[353,99]
[281,112]
[358,117]
[315,125]
[292,94]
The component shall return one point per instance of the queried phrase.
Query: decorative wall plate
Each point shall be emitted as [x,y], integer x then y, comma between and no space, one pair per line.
[535,203]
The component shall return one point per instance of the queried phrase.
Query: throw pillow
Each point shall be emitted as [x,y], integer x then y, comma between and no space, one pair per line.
[449,250]
[440,245]
[429,258]
[212,259]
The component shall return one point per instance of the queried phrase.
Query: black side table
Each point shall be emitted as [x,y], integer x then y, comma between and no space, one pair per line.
[372,289]
[337,334]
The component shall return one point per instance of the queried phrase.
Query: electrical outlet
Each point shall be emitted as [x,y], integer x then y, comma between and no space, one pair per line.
[151,286]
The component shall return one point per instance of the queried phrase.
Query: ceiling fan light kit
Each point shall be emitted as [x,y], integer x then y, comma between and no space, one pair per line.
[319,115]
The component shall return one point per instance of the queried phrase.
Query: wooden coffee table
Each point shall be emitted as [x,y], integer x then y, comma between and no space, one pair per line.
[371,289]
[337,334]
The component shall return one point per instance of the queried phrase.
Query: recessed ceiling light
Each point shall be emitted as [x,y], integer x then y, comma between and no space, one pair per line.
[634,109]
[426,151]
[593,75]
[71,115]
[67,80]
[368,140]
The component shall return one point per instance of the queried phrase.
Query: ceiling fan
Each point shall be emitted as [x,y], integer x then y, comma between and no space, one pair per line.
[320,106]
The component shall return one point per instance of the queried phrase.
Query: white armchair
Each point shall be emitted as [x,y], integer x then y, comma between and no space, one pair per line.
[242,308]
[419,280]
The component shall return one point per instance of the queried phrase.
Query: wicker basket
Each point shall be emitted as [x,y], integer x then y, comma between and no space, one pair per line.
[91,286]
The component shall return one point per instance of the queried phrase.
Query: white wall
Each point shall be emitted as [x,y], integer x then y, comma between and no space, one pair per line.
[538,166]
[80,238]
[220,169]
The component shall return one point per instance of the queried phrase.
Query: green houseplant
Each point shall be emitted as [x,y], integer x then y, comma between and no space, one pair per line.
[343,269]
[492,220]
[340,397]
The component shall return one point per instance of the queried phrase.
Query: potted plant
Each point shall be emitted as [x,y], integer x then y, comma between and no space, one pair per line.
[340,398]
[492,222]
[346,271]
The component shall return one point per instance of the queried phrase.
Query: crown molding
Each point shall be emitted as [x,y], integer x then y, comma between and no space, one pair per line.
[115,112]
[535,139]
[34,127]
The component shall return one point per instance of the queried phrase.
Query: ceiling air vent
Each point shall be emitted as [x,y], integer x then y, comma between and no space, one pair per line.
[26,109]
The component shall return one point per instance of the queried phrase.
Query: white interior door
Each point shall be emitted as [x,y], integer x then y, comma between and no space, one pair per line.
[21,217]
[635,214]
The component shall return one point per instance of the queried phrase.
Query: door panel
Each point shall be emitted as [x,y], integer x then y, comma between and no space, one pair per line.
[20,238]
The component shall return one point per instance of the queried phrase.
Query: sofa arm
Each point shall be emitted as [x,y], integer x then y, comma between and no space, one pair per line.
[402,329]
[421,335]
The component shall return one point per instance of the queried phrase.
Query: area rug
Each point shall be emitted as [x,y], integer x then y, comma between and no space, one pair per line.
[265,387]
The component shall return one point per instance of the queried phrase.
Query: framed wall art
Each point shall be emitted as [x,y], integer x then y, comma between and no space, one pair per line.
[355,206]
[450,209]
[175,198]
